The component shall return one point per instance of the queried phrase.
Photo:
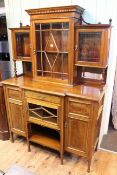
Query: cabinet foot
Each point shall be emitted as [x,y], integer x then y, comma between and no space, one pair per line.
[61,157]
[29,150]
[11,137]
[89,166]
[62,160]
[96,148]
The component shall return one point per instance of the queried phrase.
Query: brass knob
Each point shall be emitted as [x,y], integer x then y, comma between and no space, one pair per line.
[34,52]
[76,47]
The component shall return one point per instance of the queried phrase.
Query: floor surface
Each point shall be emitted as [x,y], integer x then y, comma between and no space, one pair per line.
[109,141]
[43,161]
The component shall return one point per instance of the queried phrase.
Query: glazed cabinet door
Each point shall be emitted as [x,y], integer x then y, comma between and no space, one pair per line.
[50,49]
[17,121]
[89,47]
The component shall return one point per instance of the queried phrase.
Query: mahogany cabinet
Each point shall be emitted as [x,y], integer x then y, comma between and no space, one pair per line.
[58,101]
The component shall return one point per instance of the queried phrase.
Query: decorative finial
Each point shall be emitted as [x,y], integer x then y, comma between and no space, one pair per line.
[110,21]
[20,24]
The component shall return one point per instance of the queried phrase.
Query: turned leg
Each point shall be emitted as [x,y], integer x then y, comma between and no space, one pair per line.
[15,68]
[61,147]
[28,135]
[61,157]
[28,142]
[11,137]
[96,148]
[89,166]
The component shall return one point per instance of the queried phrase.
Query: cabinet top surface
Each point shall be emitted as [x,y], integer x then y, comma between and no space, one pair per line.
[80,91]
[92,26]
[60,9]
[20,28]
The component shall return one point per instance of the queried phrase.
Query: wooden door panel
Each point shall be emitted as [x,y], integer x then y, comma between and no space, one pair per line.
[16,115]
[77,134]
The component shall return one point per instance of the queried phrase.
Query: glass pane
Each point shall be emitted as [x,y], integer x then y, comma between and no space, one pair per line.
[89,46]
[66,25]
[45,26]
[52,50]
[43,113]
[22,44]
[37,26]
[57,25]
[38,41]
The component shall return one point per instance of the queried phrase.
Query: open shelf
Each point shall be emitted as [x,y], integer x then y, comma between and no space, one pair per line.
[27,68]
[45,136]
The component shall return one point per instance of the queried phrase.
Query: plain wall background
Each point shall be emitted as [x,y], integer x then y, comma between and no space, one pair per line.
[96,11]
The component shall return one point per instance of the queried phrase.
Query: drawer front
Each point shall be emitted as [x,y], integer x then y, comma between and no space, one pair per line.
[42,96]
[14,93]
[77,106]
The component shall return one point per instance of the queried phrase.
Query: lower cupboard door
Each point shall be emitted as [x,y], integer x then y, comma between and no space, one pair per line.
[76,136]
[16,117]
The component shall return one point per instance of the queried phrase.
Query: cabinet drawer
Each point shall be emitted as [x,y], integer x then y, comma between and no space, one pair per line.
[14,93]
[42,96]
[77,106]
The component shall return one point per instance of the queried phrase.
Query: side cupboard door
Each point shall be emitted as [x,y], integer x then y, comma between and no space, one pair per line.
[77,126]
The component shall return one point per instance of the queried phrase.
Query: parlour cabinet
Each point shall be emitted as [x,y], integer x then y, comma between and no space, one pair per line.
[58,101]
